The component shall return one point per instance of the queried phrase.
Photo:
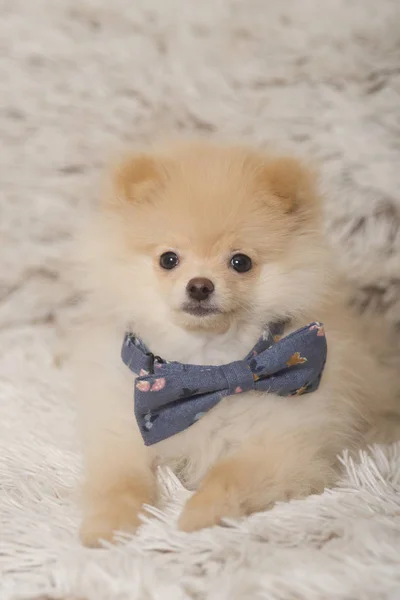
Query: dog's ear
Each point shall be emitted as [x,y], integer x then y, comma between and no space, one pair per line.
[134,179]
[290,182]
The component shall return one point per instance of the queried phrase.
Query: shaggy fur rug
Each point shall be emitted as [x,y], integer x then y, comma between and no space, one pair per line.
[80,79]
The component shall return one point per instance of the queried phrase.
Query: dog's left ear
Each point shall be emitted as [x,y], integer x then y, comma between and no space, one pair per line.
[134,179]
[291,183]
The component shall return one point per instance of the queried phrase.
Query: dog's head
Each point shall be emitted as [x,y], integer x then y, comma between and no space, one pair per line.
[204,236]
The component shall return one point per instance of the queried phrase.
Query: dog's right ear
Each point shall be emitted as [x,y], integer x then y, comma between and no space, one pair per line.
[135,178]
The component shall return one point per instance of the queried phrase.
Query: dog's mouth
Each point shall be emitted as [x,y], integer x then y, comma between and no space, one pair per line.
[200,310]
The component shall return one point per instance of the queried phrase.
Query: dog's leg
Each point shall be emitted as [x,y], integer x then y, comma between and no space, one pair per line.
[118,478]
[279,466]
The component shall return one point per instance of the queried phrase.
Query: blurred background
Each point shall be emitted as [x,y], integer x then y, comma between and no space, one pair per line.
[82,80]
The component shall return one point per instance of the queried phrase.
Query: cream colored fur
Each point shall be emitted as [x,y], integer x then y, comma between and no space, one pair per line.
[204,202]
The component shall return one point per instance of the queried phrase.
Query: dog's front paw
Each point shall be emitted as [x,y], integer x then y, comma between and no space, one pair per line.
[105,523]
[116,511]
[209,505]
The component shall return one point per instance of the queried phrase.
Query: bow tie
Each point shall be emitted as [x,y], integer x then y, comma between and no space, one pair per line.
[172,396]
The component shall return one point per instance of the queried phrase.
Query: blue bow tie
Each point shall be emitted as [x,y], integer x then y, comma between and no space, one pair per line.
[171,396]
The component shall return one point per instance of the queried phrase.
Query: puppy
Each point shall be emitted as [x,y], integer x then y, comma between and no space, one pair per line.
[197,249]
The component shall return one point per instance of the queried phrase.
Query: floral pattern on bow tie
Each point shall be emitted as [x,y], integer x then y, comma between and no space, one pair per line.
[302,390]
[296,359]
[156,385]
[149,420]
[319,328]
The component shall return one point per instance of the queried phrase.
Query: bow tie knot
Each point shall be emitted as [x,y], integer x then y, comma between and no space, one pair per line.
[239,377]
[171,396]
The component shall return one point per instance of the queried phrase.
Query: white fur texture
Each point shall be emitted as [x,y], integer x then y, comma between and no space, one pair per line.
[81,76]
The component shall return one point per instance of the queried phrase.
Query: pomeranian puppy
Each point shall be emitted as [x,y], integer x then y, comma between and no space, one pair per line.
[196,250]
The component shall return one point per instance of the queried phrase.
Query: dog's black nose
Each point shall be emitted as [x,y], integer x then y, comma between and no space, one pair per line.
[200,288]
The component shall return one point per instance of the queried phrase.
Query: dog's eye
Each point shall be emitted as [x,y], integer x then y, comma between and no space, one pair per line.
[241,263]
[169,260]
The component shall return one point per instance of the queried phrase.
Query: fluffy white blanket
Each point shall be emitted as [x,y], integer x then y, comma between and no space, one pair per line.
[80,77]
[344,544]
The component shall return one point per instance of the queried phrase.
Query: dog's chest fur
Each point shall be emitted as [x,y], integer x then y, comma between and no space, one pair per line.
[234,419]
